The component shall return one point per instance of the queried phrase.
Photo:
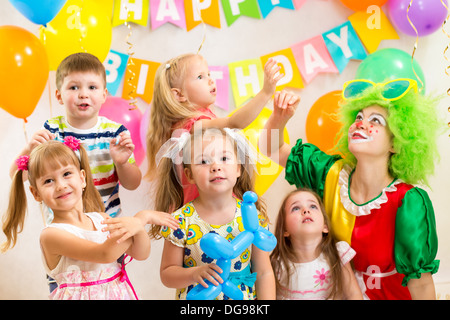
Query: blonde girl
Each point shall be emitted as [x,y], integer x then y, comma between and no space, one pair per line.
[76,252]
[307,261]
[184,95]
[217,161]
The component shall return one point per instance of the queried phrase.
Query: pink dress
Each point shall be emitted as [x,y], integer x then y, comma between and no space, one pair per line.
[83,280]
[190,190]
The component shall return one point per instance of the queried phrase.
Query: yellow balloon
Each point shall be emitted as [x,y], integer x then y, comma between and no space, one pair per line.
[81,25]
[267,170]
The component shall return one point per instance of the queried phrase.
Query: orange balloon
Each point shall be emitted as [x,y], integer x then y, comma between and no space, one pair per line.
[361,5]
[24,66]
[322,125]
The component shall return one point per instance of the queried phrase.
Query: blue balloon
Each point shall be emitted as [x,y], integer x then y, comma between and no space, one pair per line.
[39,12]
[219,248]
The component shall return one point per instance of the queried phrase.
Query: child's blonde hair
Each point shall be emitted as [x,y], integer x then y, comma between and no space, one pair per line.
[166,110]
[51,154]
[169,194]
[79,62]
[283,254]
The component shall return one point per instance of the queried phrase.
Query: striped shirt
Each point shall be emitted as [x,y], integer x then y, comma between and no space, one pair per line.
[96,142]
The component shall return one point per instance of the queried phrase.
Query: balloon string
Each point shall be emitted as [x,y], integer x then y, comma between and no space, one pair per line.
[132,76]
[81,28]
[25,130]
[203,24]
[446,49]
[50,98]
[415,45]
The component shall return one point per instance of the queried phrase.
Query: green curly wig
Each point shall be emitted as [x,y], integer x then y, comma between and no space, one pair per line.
[414,124]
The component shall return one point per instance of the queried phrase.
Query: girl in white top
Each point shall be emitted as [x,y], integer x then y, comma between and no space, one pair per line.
[307,262]
[75,249]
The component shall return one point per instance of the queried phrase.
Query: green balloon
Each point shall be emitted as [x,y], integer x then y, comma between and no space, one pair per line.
[389,64]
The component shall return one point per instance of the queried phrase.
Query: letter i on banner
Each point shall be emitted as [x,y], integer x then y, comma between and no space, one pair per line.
[285,58]
[143,81]
[163,11]
[344,45]
[132,11]
[312,58]
[246,78]
[115,65]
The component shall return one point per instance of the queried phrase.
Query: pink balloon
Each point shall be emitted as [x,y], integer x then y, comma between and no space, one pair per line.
[118,110]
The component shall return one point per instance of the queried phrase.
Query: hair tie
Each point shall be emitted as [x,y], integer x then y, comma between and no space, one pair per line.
[167,66]
[22,163]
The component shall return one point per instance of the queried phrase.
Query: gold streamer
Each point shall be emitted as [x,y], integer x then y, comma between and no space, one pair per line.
[131,95]
[204,27]
[446,49]
[415,44]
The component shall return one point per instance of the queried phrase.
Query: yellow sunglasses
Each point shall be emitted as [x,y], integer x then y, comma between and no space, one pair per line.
[391,90]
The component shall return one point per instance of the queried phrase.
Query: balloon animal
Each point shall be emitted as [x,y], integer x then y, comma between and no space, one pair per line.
[219,248]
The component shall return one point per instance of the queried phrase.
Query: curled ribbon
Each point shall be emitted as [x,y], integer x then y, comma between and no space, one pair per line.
[415,44]
[203,25]
[130,52]
[446,49]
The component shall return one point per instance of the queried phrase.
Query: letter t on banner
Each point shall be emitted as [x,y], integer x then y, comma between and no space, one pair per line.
[343,45]
[246,79]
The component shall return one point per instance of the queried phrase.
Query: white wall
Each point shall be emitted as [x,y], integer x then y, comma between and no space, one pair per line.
[22,275]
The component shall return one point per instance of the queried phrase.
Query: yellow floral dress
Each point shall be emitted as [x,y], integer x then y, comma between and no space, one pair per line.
[188,236]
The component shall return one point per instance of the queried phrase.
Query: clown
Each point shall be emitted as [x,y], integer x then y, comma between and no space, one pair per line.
[388,144]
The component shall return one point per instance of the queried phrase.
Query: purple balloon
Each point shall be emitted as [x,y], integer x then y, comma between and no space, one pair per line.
[426,15]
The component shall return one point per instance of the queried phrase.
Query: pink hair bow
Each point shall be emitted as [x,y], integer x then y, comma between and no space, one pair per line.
[22,163]
[72,143]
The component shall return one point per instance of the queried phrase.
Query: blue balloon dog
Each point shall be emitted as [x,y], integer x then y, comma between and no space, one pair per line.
[217,247]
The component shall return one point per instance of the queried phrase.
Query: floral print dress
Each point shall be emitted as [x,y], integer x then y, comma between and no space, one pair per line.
[188,235]
[311,280]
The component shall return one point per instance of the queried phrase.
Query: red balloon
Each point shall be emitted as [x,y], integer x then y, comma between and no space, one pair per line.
[24,69]
[322,125]
[361,5]
[118,110]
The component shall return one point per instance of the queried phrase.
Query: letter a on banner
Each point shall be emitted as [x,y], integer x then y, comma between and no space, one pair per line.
[344,45]
[163,11]
[312,58]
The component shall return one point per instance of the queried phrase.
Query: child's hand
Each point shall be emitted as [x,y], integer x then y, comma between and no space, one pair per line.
[121,148]
[207,272]
[271,76]
[285,104]
[40,137]
[159,218]
[123,227]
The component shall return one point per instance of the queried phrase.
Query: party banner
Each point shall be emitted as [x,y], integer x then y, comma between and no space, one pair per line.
[115,64]
[266,6]
[163,11]
[246,78]
[312,58]
[298,3]
[233,9]
[130,10]
[285,58]
[222,77]
[344,45]
[206,10]
[139,79]
[372,27]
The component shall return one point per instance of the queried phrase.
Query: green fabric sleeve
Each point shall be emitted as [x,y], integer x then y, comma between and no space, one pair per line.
[307,166]
[416,241]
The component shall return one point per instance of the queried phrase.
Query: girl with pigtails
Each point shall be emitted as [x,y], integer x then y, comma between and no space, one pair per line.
[76,250]
[220,163]
[371,191]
